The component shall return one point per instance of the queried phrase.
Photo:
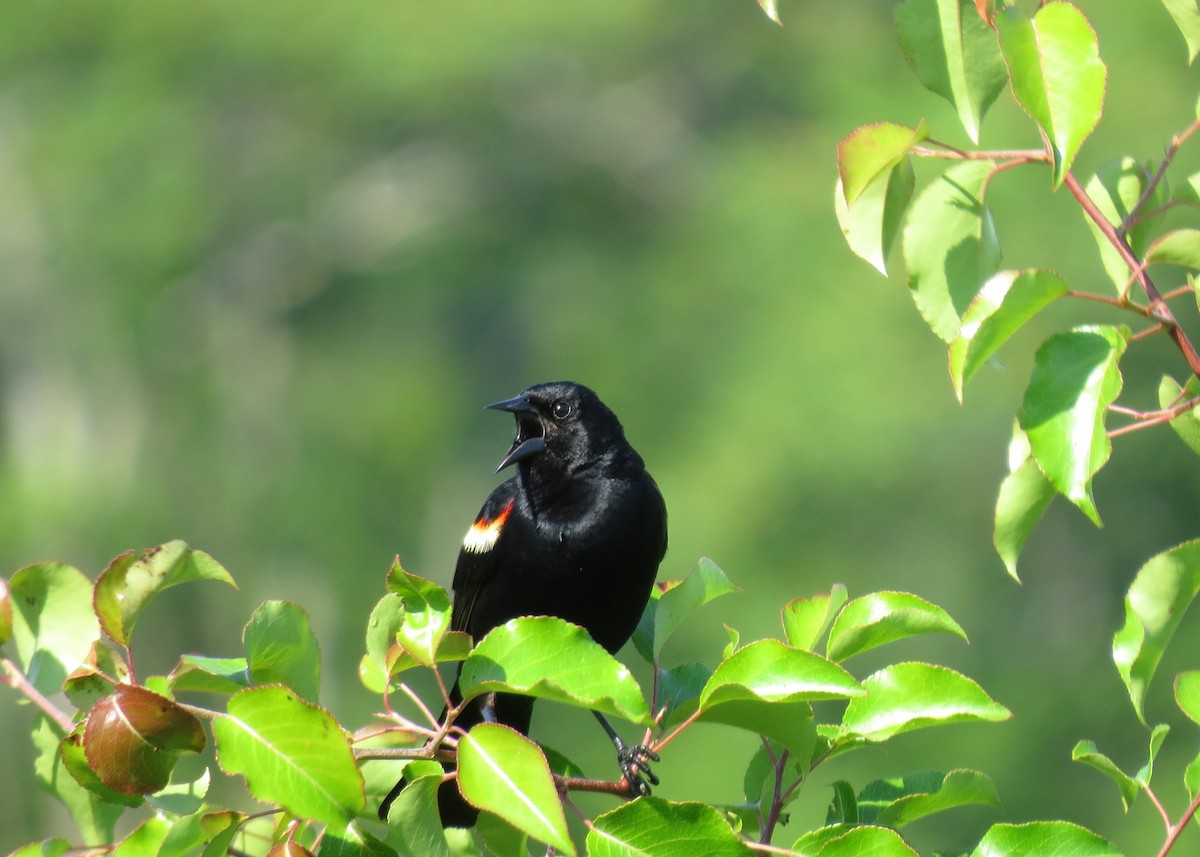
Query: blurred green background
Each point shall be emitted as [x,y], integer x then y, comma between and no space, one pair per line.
[263,264]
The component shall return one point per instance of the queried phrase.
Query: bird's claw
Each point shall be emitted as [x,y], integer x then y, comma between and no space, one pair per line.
[634,764]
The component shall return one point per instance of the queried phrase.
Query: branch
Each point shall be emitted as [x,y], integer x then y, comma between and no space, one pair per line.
[1174,830]
[15,679]
[1145,419]
[1159,310]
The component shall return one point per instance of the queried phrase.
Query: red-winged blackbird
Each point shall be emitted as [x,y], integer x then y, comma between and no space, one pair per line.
[578,533]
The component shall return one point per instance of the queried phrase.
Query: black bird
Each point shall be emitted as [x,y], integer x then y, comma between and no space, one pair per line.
[577,533]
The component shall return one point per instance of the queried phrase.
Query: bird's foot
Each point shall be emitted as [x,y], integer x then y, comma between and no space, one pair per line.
[634,764]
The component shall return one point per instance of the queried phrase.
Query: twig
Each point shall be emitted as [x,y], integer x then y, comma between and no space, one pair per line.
[15,679]
[1145,419]
[946,151]
[1159,309]
[1152,185]
[1174,830]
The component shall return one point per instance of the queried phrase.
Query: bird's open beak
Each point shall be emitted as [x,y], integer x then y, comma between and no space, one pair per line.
[529,440]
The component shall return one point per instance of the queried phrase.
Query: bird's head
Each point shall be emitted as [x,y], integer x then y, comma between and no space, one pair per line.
[560,426]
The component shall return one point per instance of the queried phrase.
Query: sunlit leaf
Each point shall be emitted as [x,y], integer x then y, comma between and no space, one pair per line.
[1086,752]
[1161,593]
[502,771]
[134,738]
[45,848]
[291,753]
[771,10]
[1157,735]
[954,53]
[873,222]
[54,627]
[1075,378]
[1187,694]
[225,676]
[1005,303]
[908,696]
[859,841]
[872,151]
[1043,839]
[950,246]
[1187,17]
[182,797]
[1057,75]
[353,841]
[500,839]
[133,579]
[884,617]
[97,677]
[1180,247]
[145,840]
[549,658]
[413,823]
[675,602]
[281,648]
[426,613]
[787,723]
[74,761]
[1024,495]
[770,671]
[652,827]
[805,619]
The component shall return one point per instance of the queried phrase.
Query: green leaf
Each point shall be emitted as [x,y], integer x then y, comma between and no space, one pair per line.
[652,827]
[770,671]
[74,761]
[131,580]
[789,724]
[1187,424]
[353,841]
[1157,735]
[1024,495]
[771,10]
[546,657]
[182,798]
[426,613]
[53,625]
[503,772]
[805,619]
[901,800]
[675,602]
[873,151]
[1002,307]
[97,677]
[860,841]
[413,823]
[1116,189]
[225,676]
[1161,593]
[45,848]
[843,809]
[871,224]
[679,687]
[884,617]
[282,649]
[1075,378]
[145,840]
[950,245]
[1086,752]
[1187,694]
[94,816]
[1180,247]
[134,738]
[1057,75]
[1043,839]
[954,53]
[385,622]
[1191,778]
[291,753]
[1187,18]
[908,696]
[500,839]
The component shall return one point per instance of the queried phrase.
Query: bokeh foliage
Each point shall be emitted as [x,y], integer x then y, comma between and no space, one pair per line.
[263,264]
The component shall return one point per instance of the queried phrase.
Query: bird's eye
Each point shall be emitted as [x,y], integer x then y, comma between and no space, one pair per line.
[561,410]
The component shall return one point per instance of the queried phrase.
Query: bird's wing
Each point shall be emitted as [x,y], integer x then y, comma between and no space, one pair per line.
[477,558]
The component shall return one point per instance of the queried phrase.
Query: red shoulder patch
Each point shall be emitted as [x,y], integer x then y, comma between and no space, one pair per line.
[482,536]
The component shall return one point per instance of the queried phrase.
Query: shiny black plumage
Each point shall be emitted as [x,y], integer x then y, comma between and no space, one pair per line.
[577,533]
